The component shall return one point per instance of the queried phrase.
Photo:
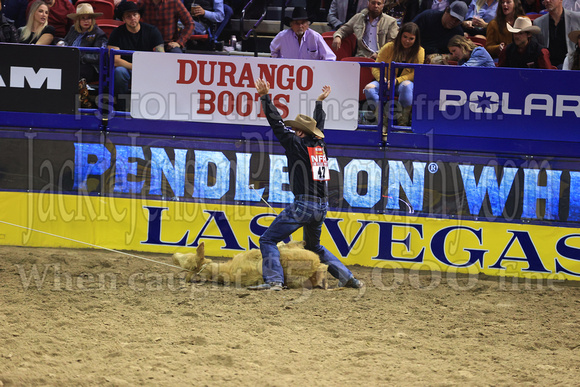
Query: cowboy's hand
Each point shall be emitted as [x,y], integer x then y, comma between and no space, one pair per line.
[324,94]
[336,43]
[173,44]
[262,86]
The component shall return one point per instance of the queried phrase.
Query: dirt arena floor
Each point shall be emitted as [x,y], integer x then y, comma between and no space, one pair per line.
[88,317]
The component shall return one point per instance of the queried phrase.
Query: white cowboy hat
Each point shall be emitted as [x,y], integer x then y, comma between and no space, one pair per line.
[84,9]
[573,36]
[523,24]
[305,124]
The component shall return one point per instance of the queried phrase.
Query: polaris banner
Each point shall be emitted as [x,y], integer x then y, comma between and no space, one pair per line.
[497,102]
[38,79]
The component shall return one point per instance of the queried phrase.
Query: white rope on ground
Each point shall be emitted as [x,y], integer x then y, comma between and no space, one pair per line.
[92,245]
[264,200]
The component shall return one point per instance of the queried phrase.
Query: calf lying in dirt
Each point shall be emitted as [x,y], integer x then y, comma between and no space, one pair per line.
[302,268]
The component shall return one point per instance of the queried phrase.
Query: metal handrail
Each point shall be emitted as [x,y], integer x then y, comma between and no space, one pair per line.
[107,87]
[246,36]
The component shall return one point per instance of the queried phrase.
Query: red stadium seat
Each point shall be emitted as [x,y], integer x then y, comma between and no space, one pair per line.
[534,16]
[366,74]
[479,41]
[346,49]
[108,25]
[104,6]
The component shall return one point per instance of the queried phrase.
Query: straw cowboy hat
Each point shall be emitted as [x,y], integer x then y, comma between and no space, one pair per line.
[305,124]
[84,9]
[523,24]
[298,13]
[573,36]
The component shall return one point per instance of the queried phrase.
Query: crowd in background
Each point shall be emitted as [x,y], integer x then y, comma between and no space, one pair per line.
[474,33]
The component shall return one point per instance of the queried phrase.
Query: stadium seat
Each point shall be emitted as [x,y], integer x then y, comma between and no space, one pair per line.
[534,16]
[479,41]
[366,74]
[108,25]
[347,48]
[104,6]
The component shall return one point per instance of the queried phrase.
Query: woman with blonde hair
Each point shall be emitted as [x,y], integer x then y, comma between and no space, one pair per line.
[406,48]
[86,33]
[37,30]
[468,54]
[498,37]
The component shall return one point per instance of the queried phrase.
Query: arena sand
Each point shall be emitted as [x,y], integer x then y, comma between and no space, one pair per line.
[100,318]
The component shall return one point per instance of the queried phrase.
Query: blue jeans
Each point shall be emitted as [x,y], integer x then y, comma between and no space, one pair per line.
[404,91]
[122,82]
[309,215]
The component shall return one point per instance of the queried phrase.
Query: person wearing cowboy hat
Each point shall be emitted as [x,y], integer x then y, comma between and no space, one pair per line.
[86,33]
[134,35]
[572,61]
[525,51]
[300,42]
[309,175]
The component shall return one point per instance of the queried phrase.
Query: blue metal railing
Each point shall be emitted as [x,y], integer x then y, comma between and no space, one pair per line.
[106,96]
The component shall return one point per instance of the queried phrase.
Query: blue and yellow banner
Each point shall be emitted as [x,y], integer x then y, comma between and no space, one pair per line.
[378,240]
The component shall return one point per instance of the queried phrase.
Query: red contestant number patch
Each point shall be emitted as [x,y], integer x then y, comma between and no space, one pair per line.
[319,164]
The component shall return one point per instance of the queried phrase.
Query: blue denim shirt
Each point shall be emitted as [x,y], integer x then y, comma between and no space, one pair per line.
[479,58]
[487,13]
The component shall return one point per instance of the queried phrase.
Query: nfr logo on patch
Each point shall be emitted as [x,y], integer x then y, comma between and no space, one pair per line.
[319,164]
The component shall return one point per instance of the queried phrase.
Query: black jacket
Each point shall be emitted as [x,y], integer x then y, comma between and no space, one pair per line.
[299,166]
[8,33]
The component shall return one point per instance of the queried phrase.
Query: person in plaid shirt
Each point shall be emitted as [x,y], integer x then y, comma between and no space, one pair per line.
[164,15]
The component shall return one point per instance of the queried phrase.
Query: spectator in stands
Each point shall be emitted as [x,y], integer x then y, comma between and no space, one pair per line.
[57,15]
[498,36]
[133,35]
[415,7]
[16,11]
[572,61]
[479,14]
[300,42]
[37,30]
[211,15]
[437,27]
[8,33]
[468,54]
[371,27]
[525,51]
[555,26]
[571,5]
[406,48]
[86,33]
[396,9]
[532,6]
[438,5]
[164,14]
[343,10]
